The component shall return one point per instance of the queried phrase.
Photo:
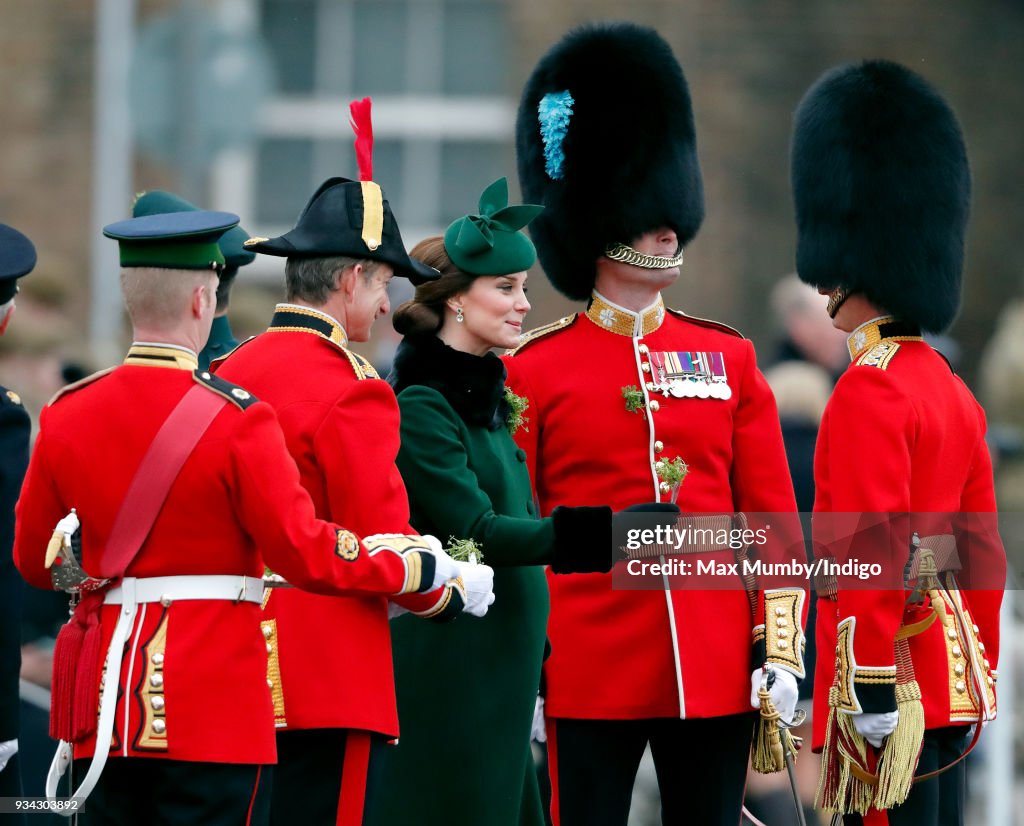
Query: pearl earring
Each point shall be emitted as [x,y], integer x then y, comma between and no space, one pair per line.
[459,317]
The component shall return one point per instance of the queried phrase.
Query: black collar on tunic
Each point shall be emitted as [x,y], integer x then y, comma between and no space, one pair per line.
[473,385]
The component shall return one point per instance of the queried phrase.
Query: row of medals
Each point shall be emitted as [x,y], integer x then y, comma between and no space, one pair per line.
[695,388]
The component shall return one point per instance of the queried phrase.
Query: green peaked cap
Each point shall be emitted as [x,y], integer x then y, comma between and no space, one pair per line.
[490,243]
[175,240]
[159,202]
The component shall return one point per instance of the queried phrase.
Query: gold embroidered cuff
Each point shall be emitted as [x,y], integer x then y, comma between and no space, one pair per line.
[783,630]
[413,573]
[415,551]
[443,601]
[860,688]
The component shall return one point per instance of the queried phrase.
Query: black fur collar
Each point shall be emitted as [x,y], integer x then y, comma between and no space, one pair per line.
[473,385]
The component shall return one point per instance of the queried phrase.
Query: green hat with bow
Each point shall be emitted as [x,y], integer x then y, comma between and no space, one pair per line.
[490,243]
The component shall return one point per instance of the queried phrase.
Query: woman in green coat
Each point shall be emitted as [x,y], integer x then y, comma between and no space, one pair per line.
[466,690]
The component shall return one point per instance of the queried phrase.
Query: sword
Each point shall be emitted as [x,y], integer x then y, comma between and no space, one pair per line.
[788,748]
[66,573]
[790,743]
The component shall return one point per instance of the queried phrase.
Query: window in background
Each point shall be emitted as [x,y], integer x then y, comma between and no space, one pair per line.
[443,122]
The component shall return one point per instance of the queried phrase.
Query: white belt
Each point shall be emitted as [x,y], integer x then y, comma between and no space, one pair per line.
[168,589]
[130,593]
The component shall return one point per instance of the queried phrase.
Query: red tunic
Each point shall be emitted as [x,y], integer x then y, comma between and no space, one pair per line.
[237,497]
[341,425]
[627,654]
[902,441]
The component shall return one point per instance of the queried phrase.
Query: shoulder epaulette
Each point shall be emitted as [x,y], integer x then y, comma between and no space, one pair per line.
[217,362]
[78,385]
[238,396]
[362,367]
[543,331]
[878,356]
[10,397]
[706,322]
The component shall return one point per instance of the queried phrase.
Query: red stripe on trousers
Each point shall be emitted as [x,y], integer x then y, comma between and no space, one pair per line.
[252,800]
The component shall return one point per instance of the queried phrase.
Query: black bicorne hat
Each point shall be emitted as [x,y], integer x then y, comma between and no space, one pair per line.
[605,141]
[349,218]
[882,187]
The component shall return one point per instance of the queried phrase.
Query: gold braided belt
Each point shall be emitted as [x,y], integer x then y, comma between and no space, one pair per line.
[702,534]
[941,547]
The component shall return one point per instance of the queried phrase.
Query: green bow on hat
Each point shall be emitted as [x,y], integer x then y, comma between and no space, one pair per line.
[490,243]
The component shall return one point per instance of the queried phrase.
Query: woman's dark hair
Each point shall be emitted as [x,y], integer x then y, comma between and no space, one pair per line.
[424,313]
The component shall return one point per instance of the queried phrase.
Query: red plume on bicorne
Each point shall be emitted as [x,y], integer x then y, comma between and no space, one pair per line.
[362,125]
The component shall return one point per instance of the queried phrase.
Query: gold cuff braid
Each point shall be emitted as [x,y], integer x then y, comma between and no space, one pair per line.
[784,636]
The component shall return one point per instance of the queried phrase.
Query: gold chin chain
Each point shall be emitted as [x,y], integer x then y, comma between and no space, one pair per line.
[627,255]
[836,299]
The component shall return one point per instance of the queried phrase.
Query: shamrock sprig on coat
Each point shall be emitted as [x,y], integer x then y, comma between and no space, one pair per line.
[634,398]
[672,473]
[517,406]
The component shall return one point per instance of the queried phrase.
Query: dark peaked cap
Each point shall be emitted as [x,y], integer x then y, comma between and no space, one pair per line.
[882,190]
[231,243]
[629,155]
[17,259]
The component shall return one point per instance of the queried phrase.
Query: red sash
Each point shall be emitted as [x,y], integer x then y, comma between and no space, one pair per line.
[77,656]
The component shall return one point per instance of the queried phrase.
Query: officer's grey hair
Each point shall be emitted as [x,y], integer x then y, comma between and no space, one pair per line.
[158,298]
[5,307]
[314,279]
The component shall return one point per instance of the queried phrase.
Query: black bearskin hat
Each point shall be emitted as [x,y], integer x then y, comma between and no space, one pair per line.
[882,190]
[605,141]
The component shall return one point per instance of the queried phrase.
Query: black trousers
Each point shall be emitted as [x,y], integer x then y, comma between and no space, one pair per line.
[312,764]
[940,800]
[701,766]
[10,786]
[137,790]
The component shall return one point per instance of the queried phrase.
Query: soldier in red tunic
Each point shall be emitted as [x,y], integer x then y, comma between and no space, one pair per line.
[184,487]
[606,142]
[335,696]
[902,472]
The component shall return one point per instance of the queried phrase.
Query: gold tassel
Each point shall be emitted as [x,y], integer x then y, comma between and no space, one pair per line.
[902,748]
[840,789]
[767,756]
[828,776]
[857,795]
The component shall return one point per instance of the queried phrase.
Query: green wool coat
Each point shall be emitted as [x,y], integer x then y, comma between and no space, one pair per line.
[466,689]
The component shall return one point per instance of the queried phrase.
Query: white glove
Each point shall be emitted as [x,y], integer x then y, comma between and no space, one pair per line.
[876,727]
[445,567]
[8,749]
[479,582]
[539,732]
[784,692]
[68,524]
